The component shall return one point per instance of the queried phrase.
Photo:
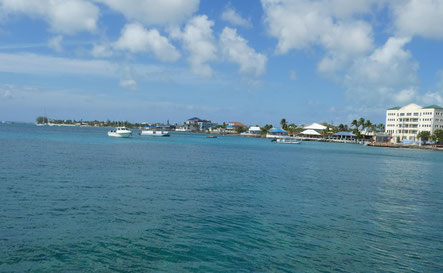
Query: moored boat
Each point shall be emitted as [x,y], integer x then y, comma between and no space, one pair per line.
[154,132]
[120,132]
[288,141]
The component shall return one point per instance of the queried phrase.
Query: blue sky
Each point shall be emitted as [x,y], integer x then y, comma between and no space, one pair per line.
[249,61]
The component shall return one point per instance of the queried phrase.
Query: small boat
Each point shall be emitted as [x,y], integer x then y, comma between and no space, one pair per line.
[288,141]
[209,136]
[120,132]
[150,132]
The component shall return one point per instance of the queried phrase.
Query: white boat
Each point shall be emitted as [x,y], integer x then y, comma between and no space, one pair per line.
[288,141]
[150,132]
[120,132]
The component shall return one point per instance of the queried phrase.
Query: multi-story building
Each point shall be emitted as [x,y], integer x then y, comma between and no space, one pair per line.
[404,123]
[196,124]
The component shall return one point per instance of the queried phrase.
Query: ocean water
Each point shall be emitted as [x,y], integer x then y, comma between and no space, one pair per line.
[75,200]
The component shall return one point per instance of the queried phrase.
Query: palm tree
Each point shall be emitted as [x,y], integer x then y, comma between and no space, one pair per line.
[381,127]
[368,124]
[361,122]
[283,124]
[354,123]
[292,127]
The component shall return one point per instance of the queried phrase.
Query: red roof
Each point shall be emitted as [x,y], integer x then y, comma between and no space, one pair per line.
[236,123]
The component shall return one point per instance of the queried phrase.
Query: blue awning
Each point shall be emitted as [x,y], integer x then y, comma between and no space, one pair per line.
[277,130]
[344,134]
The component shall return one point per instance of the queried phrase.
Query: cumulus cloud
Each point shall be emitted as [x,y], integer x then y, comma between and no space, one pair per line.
[128,84]
[231,16]
[235,48]
[198,39]
[302,24]
[418,17]
[377,77]
[56,43]
[405,96]
[135,38]
[151,12]
[63,16]
[101,50]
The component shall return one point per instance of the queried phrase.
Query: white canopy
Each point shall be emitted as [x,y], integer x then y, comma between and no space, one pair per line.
[254,128]
[310,132]
[315,126]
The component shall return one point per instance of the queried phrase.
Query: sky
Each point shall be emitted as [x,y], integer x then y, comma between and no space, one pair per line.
[250,61]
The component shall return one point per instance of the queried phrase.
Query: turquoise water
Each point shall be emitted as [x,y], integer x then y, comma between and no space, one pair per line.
[73,199]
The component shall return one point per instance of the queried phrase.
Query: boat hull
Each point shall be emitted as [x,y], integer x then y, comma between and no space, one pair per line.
[154,133]
[287,141]
[121,135]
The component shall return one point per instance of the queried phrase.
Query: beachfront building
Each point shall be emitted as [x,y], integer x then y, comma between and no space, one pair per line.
[315,126]
[232,125]
[310,133]
[344,136]
[404,123]
[277,133]
[197,124]
[254,130]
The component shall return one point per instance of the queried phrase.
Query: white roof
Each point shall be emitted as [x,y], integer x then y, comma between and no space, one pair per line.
[254,128]
[411,106]
[315,126]
[310,132]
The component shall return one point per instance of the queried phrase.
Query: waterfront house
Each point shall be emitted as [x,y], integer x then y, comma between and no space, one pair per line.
[232,125]
[315,127]
[197,124]
[344,136]
[254,130]
[311,133]
[404,123]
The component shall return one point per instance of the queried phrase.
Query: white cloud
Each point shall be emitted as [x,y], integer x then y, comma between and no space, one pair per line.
[235,49]
[302,24]
[405,96]
[418,17]
[433,98]
[128,83]
[377,77]
[101,50]
[55,43]
[159,12]
[198,40]
[231,16]
[135,38]
[40,64]
[63,16]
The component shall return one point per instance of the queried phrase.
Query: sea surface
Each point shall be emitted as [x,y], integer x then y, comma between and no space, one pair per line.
[73,199]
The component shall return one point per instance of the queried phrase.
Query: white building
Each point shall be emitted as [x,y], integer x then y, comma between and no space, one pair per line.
[315,126]
[254,130]
[404,123]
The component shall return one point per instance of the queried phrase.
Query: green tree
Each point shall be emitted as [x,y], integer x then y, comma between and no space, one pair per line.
[368,124]
[292,127]
[240,129]
[438,136]
[381,127]
[361,122]
[424,135]
[41,120]
[354,123]
[283,124]
[266,128]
